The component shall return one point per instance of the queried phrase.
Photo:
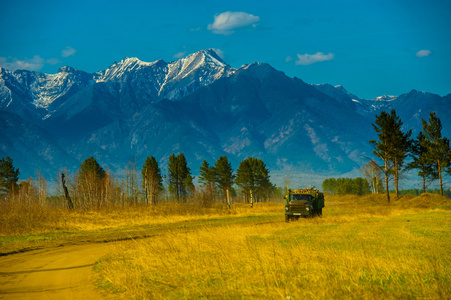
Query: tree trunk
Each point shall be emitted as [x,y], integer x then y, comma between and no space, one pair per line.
[395,167]
[440,177]
[228,197]
[424,183]
[386,182]
[70,204]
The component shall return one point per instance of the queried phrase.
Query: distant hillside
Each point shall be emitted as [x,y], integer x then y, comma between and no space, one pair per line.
[198,105]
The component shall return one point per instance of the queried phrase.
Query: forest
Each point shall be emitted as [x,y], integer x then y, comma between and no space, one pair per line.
[93,187]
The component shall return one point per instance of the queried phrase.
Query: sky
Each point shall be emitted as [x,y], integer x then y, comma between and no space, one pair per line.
[371,48]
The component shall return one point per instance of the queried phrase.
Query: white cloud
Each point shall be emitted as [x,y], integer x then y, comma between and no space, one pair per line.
[179,55]
[32,64]
[219,52]
[423,53]
[288,59]
[52,61]
[308,59]
[227,21]
[68,51]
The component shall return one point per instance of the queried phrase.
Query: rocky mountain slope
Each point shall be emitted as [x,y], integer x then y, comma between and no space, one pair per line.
[198,105]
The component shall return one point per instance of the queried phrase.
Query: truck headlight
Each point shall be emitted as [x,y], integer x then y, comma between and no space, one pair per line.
[307,209]
[286,208]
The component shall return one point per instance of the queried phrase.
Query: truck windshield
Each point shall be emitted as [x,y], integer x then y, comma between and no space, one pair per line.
[300,197]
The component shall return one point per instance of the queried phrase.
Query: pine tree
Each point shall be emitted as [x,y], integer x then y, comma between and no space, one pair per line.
[252,176]
[224,176]
[402,146]
[438,149]
[207,181]
[385,147]
[91,182]
[8,176]
[152,179]
[185,178]
[265,187]
[189,188]
[245,178]
[173,176]
[206,174]
[180,178]
[421,162]
[91,166]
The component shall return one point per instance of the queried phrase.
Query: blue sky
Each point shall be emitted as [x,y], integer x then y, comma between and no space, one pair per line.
[370,47]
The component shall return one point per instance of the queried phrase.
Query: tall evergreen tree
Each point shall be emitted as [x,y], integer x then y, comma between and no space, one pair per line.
[152,179]
[180,178]
[385,147]
[91,166]
[224,176]
[253,176]
[438,149]
[207,180]
[184,173]
[245,178]
[421,161]
[265,187]
[402,146]
[173,176]
[8,176]
[91,183]
[189,188]
[206,174]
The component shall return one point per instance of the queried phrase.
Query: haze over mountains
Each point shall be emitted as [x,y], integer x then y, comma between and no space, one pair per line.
[198,105]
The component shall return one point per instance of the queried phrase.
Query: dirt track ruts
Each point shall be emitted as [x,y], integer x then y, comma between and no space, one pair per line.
[65,272]
[55,273]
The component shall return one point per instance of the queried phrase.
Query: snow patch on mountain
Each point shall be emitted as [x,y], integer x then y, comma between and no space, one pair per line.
[118,71]
[319,148]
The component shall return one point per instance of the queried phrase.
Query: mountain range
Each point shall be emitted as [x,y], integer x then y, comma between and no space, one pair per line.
[198,105]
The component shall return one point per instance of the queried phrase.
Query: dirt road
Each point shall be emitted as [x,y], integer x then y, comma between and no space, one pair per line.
[55,273]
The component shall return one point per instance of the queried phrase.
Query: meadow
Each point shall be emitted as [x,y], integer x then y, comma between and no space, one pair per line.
[362,248]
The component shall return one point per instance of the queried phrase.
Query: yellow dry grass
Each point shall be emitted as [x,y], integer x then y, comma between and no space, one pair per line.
[18,218]
[28,226]
[362,248]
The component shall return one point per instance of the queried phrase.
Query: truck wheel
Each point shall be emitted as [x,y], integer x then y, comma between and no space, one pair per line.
[287,218]
[320,212]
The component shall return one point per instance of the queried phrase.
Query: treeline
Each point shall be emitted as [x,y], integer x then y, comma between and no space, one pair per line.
[343,186]
[429,152]
[94,187]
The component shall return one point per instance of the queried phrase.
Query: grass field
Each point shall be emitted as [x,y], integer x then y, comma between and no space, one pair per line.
[361,248]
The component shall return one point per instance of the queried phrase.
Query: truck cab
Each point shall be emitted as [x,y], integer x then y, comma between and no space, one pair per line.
[307,202]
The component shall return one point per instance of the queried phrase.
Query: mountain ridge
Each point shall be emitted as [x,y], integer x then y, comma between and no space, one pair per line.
[201,106]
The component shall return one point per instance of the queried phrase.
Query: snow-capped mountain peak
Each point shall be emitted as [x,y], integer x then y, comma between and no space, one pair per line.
[385,98]
[255,110]
[117,71]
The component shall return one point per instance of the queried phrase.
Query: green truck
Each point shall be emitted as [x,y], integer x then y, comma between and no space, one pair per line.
[308,202]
